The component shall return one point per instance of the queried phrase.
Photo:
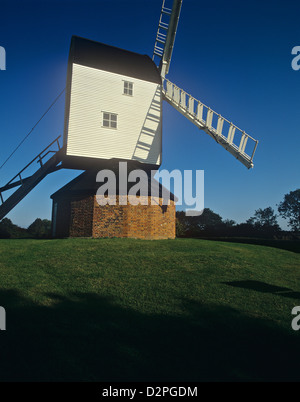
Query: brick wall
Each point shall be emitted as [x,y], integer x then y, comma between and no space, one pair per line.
[81,222]
[84,217]
[138,221]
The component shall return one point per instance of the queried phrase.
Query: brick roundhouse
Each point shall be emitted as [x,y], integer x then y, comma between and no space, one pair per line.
[76,213]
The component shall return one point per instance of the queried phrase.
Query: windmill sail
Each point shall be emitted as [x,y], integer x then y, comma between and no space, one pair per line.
[165,36]
[241,145]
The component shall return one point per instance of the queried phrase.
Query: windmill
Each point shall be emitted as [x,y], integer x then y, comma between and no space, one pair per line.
[113,113]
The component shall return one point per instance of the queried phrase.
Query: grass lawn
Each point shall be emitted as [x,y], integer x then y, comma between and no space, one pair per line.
[133,310]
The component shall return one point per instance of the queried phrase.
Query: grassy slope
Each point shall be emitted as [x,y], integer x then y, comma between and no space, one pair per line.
[121,309]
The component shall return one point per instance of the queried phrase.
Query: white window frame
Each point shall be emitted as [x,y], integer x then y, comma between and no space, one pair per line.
[110,120]
[128,88]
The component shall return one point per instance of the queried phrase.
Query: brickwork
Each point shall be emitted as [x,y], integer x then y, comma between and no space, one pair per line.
[78,213]
[137,221]
[81,216]
[84,217]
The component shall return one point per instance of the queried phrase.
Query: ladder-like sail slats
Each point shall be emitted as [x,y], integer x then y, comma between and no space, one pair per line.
[165,36]
[220,125]
[191,105]
[231,133]
[209,118]
[199,114]
[235,141]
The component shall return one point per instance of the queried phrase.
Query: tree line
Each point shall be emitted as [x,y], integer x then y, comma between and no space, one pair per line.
[262,224]
[209,224]
[40,228]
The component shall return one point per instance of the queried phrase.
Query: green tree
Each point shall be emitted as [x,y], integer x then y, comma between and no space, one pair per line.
[289,209]
[10,230]
[207,220]
[205,223]
[6,226]
[40,228]
[265,218]
[180,228]
[229,223]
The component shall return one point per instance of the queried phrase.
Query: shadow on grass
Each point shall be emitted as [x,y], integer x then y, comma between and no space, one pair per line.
[289,245]
[89,338]
[263,287]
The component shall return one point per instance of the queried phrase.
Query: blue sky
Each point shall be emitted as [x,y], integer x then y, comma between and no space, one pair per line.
[233,56]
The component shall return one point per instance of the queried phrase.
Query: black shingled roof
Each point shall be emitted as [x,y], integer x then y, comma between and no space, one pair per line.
[86,183]
[109,58]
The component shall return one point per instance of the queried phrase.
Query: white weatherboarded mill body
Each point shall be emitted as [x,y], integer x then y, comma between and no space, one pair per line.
[113,106]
